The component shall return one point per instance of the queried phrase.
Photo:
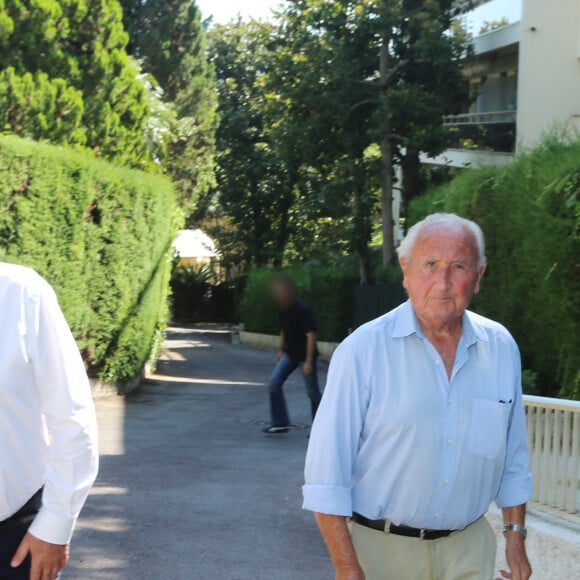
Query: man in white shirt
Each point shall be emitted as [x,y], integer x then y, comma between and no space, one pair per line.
[48,431]
[422,426]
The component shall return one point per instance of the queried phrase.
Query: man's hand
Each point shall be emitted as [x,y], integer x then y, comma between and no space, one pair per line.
[47,560]
[279,355]
[307,367]
[517,559]
[350,573]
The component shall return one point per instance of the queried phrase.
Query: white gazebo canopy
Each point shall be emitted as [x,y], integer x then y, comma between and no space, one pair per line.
[195,244]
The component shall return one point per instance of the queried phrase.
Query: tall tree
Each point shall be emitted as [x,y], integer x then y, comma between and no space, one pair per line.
[69,60]
[255,187]
[169,39]
[331,117]
[395,66]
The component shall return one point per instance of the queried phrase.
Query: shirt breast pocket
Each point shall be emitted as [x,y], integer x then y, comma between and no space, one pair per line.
[489,425]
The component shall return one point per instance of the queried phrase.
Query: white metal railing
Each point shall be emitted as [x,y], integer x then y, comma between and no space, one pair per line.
[481,118]
[554,441]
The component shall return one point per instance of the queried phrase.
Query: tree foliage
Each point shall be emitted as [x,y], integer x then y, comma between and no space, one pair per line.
[385,72]
[68,60]
[254,189]
[316,109]
[36,106]
[169,40]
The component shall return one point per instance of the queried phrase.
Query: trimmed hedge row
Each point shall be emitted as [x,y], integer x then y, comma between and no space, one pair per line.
[101,235]
[530,213]
[328,291]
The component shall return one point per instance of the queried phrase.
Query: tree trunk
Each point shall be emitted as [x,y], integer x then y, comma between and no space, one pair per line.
[387,200]
[412,179]
[364,263]
[386,162]
[362,229]
[282,235]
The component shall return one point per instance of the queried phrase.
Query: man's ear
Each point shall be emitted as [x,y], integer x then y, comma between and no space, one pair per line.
[479,277]
[403,263]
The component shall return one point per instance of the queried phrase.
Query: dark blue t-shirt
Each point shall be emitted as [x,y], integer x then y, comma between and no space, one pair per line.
[296,322]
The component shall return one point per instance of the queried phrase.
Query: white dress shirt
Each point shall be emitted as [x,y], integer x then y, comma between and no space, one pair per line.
[395,438]
[48,433]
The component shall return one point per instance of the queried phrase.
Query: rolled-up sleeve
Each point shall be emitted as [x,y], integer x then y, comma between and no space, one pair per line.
[516,487]
[335,436]
[69,414]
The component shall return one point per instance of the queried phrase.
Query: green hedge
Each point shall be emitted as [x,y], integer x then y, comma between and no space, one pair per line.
[101,236]
[529,212]
[328,291]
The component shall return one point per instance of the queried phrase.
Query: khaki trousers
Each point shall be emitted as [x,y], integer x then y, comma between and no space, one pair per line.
[468,554]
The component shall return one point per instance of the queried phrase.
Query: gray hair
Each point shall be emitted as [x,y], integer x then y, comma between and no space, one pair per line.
[445,220]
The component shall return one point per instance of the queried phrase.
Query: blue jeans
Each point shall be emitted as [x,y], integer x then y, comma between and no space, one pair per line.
[283,369]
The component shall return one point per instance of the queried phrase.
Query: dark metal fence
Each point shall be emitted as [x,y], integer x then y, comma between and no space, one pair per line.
[373,301]
[196,301]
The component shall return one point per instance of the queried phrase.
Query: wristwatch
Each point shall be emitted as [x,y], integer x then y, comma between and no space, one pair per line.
[515,528]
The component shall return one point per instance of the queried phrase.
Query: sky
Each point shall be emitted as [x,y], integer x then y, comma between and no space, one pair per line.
[226,10]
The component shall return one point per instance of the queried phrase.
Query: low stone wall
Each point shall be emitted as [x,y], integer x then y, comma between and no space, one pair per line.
[101,388]
[271,341]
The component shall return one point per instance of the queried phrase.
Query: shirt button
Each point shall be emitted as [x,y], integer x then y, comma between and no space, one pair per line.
[437,362]
[450,401]
[449,441]
[437,514]
[446,481]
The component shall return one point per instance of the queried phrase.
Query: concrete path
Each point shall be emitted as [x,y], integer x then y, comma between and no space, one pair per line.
[189,486]
[190,489]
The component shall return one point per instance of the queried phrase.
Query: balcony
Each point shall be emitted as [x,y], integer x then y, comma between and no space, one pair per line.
[494,131]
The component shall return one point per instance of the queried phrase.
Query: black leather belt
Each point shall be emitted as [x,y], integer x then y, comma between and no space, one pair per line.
[407,531]
[25,514]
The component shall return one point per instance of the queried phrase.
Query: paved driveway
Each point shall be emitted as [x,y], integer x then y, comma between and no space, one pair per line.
[190,488]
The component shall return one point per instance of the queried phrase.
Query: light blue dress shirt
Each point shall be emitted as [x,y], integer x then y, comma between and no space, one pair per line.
[394,438]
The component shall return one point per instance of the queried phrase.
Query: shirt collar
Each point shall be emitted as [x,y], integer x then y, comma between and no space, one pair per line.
[407,324]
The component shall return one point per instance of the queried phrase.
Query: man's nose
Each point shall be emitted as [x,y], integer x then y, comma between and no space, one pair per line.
[444,278]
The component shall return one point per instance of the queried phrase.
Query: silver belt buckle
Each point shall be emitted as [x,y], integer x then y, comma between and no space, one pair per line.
[422,533]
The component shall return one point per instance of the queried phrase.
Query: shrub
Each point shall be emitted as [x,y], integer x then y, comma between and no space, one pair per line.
[197,298]
[101,235]
[328,291]
[529,212]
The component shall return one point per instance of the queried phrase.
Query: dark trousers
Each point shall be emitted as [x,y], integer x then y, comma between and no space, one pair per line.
[283,369]
[10,538]
[12,532]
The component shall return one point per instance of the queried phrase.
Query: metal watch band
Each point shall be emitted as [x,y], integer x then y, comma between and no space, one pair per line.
[515,528]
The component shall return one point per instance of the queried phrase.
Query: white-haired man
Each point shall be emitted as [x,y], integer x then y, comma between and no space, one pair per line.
[422,426]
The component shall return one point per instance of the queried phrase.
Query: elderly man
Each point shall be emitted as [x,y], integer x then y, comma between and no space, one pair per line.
[47,429]
[422,426]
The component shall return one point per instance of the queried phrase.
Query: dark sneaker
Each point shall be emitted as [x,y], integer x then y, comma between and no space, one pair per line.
[273,430]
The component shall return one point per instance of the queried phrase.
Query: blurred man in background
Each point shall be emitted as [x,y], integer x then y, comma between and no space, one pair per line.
[297,349]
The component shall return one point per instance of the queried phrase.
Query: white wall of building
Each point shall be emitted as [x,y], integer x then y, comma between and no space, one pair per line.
[549,68]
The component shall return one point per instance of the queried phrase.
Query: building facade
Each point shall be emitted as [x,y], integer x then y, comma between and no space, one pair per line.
[524,79]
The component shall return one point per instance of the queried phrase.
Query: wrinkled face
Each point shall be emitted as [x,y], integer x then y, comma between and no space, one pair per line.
[442,274]
[282,294]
